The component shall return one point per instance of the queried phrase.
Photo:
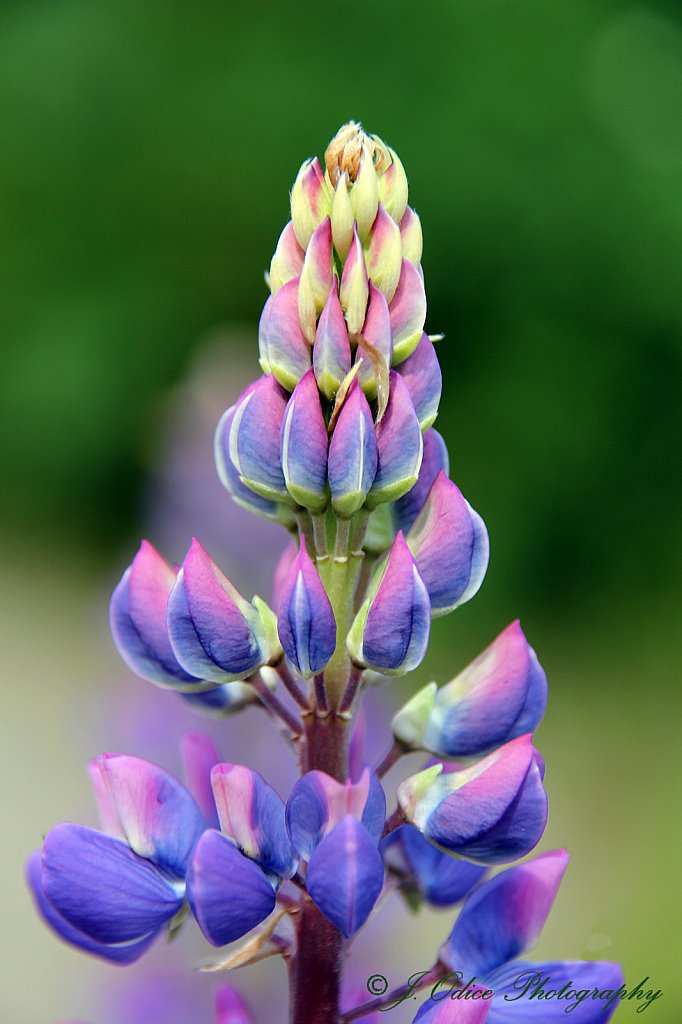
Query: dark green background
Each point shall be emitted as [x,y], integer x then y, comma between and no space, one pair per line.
[146,153]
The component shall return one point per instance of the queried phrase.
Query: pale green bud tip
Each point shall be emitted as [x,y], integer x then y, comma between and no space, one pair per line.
[372,172]
[411,791]
[409,724]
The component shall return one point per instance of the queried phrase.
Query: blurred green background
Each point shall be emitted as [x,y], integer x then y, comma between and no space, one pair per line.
[146,153]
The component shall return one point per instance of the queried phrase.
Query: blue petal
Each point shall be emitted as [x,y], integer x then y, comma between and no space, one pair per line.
[253,441]
[102,888]
[345,876]
[536,701]
[519,829]
[406,509]
[424,379]
[510,1006]
[125,953]
[504,918]
[228,893]
[442,879]
[352,453]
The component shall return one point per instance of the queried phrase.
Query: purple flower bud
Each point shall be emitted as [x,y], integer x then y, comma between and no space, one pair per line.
[288,351]
[305,621]
[303,446]
[251,813]
[406,509]
[263,335]
[231,1008]
[228,893]
[408,312]
[157,817]
[499,696]
[391,631]
[384,254]
[287,262]
[127,953]
[353,454]
[317,804]
[399,446]
[210,625]
[421,373]
[570,976]
[253,439]
[450,545]
[310,201]
[104,890]
[373,374]
[316,279]
[411,236]
[490,813]
[331,352]
[229,476]
[354,290]
[199,755]
[440,879]
[345,876]
[137,617]
[503,919]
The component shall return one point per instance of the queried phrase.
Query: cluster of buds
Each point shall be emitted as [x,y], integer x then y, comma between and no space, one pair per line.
[335,441]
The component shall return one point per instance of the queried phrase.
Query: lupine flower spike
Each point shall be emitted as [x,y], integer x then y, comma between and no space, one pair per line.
[334,441]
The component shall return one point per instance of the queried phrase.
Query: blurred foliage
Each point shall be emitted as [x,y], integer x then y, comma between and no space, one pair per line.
[147,153]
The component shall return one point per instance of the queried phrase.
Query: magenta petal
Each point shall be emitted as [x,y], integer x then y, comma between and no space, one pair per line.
[137,617]
[406,509]
[252,814]
[399,446]
[231,1008]
[504,917]
[199,755]
[331,351]
[305,619]
[281,572]
[263,335]
[304,444]
[287,262]
[443,1010]
[408,312]
[421,373]
[288,350]
[345,876]
[228,893]
[157,816]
